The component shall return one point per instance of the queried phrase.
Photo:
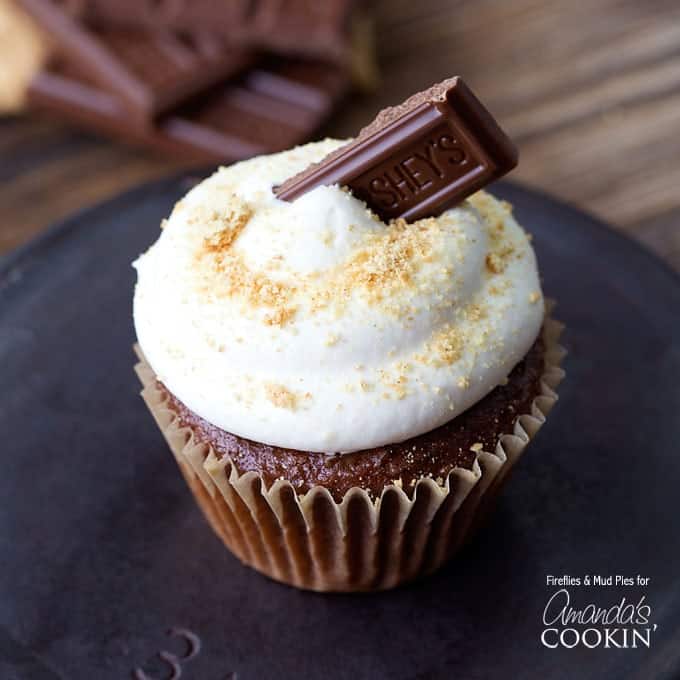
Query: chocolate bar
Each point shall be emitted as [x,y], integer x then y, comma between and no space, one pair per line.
[291,26]
[417,159]
[151,73]
[271,107]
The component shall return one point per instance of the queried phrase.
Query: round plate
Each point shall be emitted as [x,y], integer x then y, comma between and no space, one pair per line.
[109,570]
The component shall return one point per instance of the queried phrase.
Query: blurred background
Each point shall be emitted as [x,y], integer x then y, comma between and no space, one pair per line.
[590,92]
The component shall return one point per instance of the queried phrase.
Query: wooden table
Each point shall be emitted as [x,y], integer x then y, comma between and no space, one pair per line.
[589,90]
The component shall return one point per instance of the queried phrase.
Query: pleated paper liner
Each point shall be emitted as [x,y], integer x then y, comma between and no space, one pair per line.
[311,541]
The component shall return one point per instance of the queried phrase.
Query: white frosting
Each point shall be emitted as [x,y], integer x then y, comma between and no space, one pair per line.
[315,326]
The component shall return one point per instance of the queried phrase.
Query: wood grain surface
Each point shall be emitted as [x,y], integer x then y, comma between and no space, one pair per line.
[589,90]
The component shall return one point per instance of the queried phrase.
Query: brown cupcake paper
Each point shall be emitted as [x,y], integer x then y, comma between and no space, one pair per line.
[313,542]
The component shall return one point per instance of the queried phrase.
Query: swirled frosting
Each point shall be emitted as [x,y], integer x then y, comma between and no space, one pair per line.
[315,326]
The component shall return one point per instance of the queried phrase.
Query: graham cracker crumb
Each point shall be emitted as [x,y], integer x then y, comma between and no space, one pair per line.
[226,225]
[281,396]
[226,274]
[388,260]
[475,312]
[280,316]
[494,263]
[447,344]
[224,271]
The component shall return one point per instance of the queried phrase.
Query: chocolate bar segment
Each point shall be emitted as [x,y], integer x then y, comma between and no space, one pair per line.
[417,159]
[301,27]
[151,73]
[152,15]
[271,107]
[316,85]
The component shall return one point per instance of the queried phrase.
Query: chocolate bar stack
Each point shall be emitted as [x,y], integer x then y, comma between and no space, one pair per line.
[203,80]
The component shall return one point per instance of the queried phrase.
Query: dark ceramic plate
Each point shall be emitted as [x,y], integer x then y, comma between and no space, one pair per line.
[107,569]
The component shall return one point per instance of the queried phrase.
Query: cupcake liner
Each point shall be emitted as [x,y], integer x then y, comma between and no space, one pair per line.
[314,542]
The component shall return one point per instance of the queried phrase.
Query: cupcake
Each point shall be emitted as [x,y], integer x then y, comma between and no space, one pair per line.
[344,396]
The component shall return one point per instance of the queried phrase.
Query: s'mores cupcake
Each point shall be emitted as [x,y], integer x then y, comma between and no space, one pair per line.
[344,395]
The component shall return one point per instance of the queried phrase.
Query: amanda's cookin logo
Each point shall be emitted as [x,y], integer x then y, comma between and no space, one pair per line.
[567,623]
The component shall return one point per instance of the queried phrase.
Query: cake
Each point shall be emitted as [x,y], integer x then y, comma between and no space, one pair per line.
[343,395]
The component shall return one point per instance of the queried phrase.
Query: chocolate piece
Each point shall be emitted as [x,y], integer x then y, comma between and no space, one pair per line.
[270,108]
[291,26]
[151,73]
[150,15]
[417,159]
[433,454]
[301,26]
